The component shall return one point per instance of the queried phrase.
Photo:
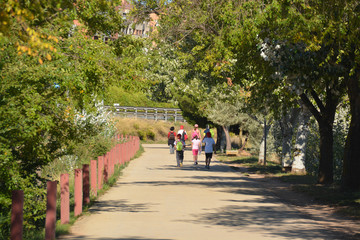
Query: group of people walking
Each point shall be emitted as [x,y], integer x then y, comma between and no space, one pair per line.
[177,144]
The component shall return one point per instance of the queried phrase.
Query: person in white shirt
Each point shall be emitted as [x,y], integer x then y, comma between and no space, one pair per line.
[195,146]
[209,149]
[183,134]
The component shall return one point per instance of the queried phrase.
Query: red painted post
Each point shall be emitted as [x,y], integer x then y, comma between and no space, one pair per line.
[116,159]
[93,177]
[122,153]
[112,157]
[65,198]
[128,151]
[100,171]
[118,153]
[78,192]
[125,152]
[16,229]
[106,170]
[132,147]
[50,221]
[86,184]
[110,163]
[112,160]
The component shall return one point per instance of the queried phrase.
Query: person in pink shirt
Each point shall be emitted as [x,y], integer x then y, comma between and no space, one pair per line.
[195,131]
[195,146]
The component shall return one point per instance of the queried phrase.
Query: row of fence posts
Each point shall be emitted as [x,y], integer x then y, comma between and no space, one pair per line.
[87,181]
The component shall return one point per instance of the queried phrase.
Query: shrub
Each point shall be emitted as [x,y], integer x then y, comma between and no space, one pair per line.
[150,135]
[142,135]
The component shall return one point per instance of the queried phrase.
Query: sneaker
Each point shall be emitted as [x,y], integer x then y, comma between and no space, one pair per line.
[181,164]
[195,163]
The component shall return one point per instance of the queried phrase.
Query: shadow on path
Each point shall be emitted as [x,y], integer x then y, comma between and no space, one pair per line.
[264,210]
[119,206]
[114,238]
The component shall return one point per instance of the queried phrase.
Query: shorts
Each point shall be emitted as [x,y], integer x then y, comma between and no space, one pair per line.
[195,152]
[208,155]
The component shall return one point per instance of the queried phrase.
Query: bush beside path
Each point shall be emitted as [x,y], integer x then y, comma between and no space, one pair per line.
[156,200]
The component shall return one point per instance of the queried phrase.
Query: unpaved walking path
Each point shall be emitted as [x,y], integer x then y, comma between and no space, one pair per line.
[156,200]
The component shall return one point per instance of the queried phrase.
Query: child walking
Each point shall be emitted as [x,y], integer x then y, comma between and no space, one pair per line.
[195,146]
[179,151]
[209,149]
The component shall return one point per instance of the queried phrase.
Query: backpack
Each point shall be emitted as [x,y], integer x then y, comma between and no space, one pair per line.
[172,136]
[184,136]
[179,146]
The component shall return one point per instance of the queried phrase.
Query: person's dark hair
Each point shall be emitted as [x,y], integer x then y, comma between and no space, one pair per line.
[172,129]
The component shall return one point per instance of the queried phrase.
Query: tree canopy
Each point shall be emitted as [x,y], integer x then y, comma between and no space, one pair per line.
[279,51]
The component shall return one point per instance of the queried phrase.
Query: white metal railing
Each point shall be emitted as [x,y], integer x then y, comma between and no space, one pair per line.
[166,114]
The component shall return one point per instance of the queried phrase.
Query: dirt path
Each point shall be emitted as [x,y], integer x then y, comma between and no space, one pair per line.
[155,200]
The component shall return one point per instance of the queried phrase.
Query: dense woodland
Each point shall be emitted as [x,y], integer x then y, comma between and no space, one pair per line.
[286,68]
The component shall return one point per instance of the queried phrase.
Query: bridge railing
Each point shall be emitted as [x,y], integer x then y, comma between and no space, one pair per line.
[166,114]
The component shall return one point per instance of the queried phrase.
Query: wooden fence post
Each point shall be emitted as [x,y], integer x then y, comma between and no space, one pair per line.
[93,177]
[16,229]
[106,168]
[100,171]
[78,192]
[118,153]
[122,153]
[65,198]
[50,221]
[86,184]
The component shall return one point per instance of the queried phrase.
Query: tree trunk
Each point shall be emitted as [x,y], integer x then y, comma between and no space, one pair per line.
[325,119]
[326,168]
[227,134]
[221,139]
[287,125]
[243,144]
[351,166]
[298,165]
[241,137]
[262,152]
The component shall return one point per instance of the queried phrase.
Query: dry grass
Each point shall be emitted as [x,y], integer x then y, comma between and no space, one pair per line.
[148,130]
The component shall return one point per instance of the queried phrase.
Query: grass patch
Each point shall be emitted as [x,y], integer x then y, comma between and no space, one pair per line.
[346,202]
[296,179]
[149,131]
[251,164]
[238,160]
[34,235]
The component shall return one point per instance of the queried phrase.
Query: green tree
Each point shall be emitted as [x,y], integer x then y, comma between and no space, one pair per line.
[50,73]
[329,31]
